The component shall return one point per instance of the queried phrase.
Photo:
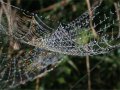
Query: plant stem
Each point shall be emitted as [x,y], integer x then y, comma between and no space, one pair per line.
[95,35]
[90,15]
[117,5]
[37,84]
[88,71]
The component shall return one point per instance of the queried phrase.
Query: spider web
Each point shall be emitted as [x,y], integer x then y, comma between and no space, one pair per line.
[20,62]
[19,66]
[75,38]
[31,45]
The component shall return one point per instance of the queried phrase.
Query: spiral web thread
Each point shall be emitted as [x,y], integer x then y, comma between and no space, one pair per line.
[31,45]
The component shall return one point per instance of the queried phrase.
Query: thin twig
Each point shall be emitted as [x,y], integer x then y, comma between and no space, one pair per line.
[95,35]
[86,74]
[18,2]
[37,84]
[90,15]
[88,71]
[56,5]
[117,7]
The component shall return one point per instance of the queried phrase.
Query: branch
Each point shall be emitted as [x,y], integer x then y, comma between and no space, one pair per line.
[56,5]
[90,15]
[117,7]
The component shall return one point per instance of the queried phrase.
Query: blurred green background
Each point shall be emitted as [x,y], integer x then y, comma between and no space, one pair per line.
[71,74]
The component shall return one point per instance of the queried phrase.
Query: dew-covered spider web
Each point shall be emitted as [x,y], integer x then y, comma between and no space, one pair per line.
[31,45]
[20,62]
[27,63]
[73,38]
